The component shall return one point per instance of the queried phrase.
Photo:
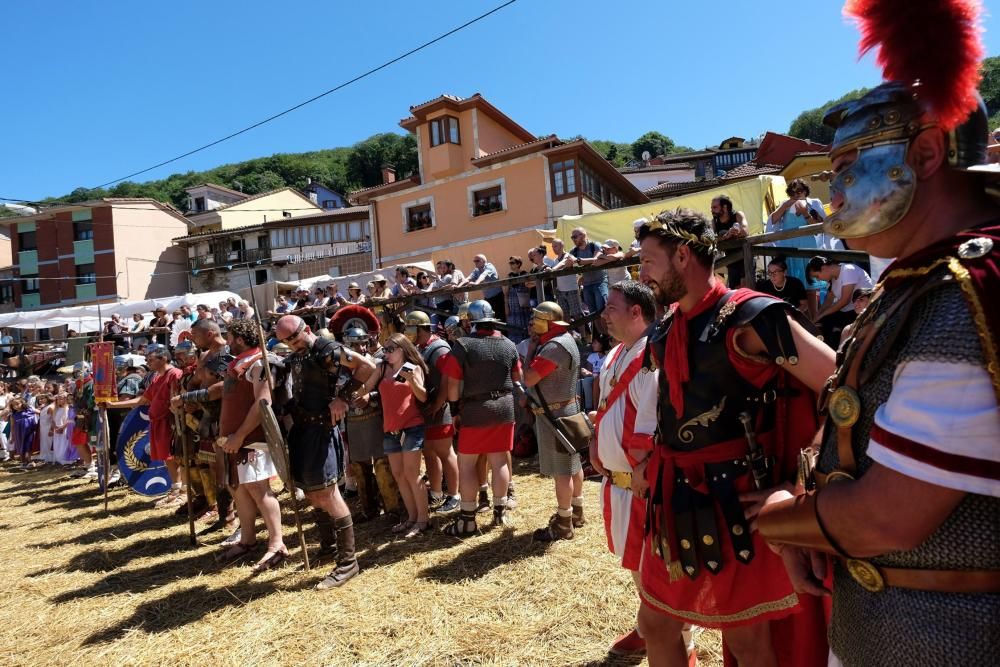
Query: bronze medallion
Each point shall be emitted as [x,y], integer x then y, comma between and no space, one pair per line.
[866,574]
[844,407]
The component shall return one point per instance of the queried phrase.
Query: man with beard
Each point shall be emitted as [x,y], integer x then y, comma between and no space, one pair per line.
[724,440]
[241,435]
[729,224]
[204,394]
[907,500]
[314,444]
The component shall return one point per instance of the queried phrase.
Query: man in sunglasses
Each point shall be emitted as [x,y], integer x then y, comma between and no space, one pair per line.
[319,368]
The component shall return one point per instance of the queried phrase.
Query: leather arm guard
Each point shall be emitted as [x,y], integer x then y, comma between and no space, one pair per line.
[796,522]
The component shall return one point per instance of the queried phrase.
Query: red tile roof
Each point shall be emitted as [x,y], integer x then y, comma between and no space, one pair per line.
[527,147]
[259,195]
[749,170]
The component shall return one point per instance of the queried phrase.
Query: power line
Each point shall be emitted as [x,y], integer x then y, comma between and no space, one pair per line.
[317,97]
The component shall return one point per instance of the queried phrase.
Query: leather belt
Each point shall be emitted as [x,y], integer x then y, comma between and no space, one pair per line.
[487,396]
[553,406]
[875,579]
[623,480]
[364,416]
[309,418]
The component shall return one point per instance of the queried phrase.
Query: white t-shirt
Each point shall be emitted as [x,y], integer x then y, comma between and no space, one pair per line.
[596,361]
[849,275]
[566,283]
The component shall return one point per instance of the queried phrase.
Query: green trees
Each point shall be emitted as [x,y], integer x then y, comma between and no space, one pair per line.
[341,169]
[809,123]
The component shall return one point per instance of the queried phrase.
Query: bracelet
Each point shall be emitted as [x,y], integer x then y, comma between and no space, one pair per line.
[829,538]
[196,396]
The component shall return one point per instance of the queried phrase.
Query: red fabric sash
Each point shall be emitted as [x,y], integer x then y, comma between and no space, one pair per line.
[620,386]
[676,354]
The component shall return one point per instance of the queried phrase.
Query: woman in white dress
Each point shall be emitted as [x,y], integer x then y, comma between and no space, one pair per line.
[62,429]
[45,452]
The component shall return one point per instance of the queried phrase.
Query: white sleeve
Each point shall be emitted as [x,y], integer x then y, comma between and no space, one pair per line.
[644,392]
[941,425]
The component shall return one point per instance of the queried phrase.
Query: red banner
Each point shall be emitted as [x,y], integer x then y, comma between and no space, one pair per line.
[102,360]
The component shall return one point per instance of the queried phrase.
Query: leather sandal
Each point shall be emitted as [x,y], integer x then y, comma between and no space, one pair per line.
[271,560]
[402,527]
[463,526]
[235,553]
[418,528]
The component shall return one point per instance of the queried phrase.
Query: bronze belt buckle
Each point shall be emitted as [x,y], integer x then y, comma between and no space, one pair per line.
[866,574]
[623,480]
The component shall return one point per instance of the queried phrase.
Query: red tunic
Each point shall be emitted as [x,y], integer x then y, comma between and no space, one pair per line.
[480,439]
[740,594]
[158,394]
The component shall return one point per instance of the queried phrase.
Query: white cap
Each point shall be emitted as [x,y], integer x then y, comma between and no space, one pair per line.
[639,223]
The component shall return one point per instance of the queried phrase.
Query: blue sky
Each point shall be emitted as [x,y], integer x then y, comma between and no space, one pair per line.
[95,91]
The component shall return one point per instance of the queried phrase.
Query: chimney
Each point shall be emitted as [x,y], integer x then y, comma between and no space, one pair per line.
[388,174]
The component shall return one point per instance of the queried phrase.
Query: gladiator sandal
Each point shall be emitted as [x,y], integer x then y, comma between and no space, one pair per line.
[484,500]
[327,536]
[578,519]
[511,498]
[559,528]
[463,526]
[347,563]
[501,516]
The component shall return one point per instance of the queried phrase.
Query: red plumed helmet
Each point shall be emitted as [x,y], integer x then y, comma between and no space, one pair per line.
[353,315]
[934,41]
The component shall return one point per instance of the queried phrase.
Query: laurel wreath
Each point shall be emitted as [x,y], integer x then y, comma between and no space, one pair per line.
[131,459]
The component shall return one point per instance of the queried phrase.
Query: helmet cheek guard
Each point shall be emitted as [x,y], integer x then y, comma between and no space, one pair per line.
[876,190]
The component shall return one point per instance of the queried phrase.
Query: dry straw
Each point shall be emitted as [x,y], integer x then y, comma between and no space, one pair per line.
[85,588]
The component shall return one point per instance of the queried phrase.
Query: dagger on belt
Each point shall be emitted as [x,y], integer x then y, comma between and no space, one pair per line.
[760,463]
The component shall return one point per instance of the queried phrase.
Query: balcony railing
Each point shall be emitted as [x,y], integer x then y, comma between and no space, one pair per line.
[223,259]
[292,255]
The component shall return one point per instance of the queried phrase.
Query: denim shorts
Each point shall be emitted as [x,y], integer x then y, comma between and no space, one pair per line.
[408,440]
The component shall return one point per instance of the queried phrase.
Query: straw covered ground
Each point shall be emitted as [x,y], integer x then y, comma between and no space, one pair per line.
[87,588]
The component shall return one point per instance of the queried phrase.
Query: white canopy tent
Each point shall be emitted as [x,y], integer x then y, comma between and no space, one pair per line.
[90,317]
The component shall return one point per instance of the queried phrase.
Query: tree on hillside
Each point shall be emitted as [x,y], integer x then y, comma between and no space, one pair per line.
[654,142]
[809,124]
[364,164]
[617,153]
[264,181]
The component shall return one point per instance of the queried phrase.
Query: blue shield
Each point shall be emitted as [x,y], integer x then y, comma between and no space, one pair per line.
[143,475]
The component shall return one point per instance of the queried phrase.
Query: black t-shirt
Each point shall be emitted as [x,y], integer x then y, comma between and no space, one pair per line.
[794,292]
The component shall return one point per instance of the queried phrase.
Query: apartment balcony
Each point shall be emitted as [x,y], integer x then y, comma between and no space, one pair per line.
[290,255]
[222,260]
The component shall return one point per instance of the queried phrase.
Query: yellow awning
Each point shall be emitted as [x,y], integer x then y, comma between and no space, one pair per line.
[755,197]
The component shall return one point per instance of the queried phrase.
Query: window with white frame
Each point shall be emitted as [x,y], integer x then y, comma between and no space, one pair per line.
[419,217]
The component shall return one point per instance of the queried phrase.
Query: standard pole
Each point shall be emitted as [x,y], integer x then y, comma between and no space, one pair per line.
[186,454]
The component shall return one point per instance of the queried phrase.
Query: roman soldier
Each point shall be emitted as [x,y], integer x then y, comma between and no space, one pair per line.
[735,367]
[321,388]
[905,495]
[553,369]
[482,369]
[203,495]
[357,328]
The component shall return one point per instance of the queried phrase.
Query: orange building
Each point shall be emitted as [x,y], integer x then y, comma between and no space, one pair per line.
[484,185]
